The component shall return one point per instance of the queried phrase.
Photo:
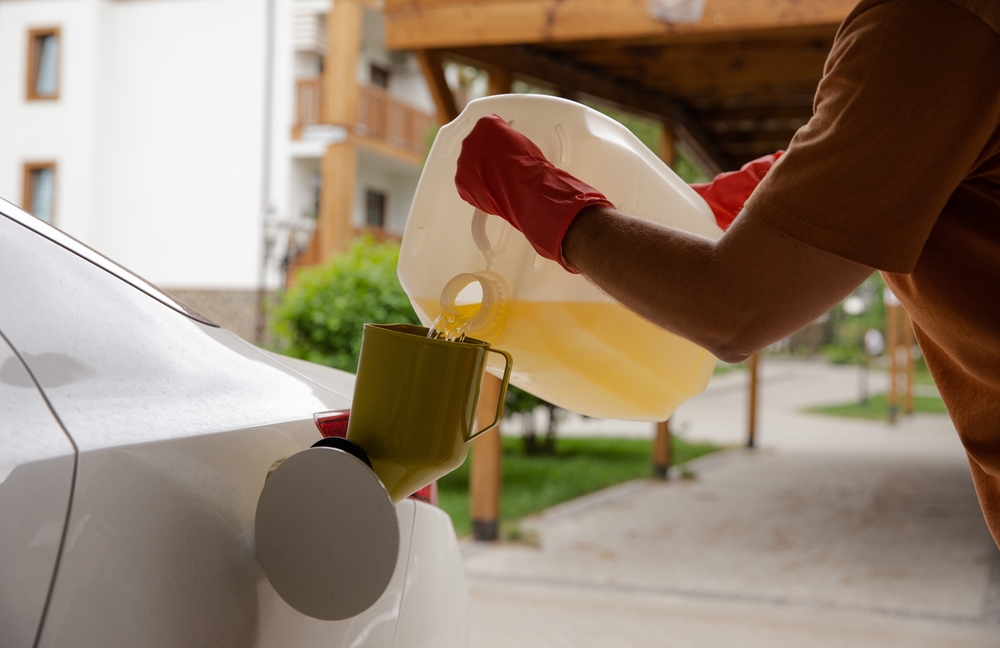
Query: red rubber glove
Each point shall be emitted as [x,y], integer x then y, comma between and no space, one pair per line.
[727,194]
[503,173]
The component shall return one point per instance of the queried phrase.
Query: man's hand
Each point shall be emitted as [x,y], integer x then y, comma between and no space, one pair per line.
[502,172]
[728,192]
[733,296]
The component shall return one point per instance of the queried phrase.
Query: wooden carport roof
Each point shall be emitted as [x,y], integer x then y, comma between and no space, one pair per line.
[734,85]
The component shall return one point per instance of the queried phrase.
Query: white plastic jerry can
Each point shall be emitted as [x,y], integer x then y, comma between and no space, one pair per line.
[572,345]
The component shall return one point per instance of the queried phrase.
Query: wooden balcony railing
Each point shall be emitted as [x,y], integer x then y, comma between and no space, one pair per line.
[308,101]
[384,117]
[379,116]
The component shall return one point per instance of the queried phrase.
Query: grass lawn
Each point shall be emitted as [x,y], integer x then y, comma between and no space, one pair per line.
[724,367]
[877,408]
[922,377]
[534,483]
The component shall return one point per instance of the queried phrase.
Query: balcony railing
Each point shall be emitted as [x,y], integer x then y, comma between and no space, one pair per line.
[308,100]
[383,116]
[379,116]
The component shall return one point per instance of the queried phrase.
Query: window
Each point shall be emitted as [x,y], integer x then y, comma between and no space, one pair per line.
[380,77]
[40,190]
[375,209]
[315,193]
[43,63]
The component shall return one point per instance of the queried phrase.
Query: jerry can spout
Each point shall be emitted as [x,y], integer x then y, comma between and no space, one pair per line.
[489,291]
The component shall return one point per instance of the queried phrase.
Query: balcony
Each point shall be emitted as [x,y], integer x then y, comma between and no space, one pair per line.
[380,116]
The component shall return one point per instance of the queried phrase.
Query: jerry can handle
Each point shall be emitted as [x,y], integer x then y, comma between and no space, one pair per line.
[502,399]
[480,237]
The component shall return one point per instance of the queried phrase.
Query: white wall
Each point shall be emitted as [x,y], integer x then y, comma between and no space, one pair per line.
[158,131]
[301,187]
[61,130]
[396,179]
[180,140]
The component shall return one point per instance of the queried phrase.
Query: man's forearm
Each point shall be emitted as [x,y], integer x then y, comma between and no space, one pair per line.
[734,296]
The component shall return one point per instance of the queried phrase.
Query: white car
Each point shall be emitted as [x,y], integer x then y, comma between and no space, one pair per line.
[135,438]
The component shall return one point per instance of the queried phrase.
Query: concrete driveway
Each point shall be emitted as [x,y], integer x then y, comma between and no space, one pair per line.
[831,533]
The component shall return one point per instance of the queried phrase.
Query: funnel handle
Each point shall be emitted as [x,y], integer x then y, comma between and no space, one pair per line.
[502,400]
[479,236]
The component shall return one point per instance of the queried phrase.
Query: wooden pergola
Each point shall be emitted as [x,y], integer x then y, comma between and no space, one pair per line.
[732,86]
[730,80]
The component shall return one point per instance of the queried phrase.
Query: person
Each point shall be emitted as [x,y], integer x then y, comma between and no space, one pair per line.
[898,170]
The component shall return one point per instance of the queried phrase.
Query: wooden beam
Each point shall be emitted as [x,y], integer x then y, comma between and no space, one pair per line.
[723,75]
[717,87]
[486,469]
[748,129]
[765,111]
[760,137]
[340,65]
[421,24]
[559,74]
[823,31]
[431,65]
[695,57]
[336,200]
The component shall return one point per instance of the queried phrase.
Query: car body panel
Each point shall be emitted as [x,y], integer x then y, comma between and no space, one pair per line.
[119,367]
[435,604]
[159,552]
[36,478]
[177,423]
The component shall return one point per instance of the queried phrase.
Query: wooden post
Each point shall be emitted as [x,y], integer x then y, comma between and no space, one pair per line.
[336,199]
[668,143]
[662,450]
[752,405]
[339,105]
[907,335]
[500,81]
[486,469]
[892,324]
[662,446]
[340,64]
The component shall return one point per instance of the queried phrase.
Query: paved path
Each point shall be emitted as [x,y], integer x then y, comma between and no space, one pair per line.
[832,533]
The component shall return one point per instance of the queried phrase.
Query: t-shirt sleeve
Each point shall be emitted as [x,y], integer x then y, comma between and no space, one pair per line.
[908,101]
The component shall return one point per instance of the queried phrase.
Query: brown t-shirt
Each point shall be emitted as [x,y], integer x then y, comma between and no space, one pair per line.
[899,169]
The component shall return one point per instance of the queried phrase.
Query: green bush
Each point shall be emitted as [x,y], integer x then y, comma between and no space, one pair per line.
[321,318]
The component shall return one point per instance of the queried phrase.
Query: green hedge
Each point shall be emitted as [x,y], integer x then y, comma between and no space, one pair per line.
[321,317]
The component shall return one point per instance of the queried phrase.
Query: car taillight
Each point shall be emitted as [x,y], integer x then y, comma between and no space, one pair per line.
[428,493]
[332,424]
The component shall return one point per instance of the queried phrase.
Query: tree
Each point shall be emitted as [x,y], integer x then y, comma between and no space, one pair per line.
[321,318]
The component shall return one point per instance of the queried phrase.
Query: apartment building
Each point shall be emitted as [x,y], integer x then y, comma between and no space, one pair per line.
[363,116]
[166,134]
